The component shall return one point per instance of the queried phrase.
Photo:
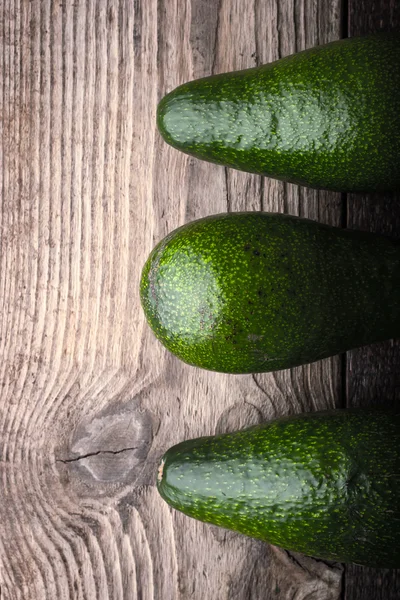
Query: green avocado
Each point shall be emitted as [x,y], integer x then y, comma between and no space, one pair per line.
[325,484]
[328,117]
[252,292]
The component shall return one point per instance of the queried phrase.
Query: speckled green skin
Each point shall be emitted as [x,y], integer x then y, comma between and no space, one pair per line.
[326,484]
[252,292]
[328,117]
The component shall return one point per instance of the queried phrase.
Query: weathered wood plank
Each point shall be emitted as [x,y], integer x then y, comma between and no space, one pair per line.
[373,372]
[89,399]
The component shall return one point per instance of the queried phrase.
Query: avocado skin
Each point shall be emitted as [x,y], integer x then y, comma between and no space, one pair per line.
[327,117]
[326,484]
[253,292]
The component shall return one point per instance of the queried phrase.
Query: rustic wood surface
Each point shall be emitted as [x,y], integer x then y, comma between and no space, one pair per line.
[89,399]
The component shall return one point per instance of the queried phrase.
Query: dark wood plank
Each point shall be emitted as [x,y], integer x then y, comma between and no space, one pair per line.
[373,373]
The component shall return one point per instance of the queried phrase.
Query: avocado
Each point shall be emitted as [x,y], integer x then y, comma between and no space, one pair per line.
[326,484]
[255,291]
[328,117]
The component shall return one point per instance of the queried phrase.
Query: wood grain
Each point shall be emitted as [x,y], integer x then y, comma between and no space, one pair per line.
[89,399]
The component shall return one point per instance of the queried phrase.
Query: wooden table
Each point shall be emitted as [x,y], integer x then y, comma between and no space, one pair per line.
[89,399]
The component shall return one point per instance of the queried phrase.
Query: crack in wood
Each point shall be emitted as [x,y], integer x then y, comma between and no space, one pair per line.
[294,560]
[217,28]
[69,460]
[326,563]
[259,385]
[227,195]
